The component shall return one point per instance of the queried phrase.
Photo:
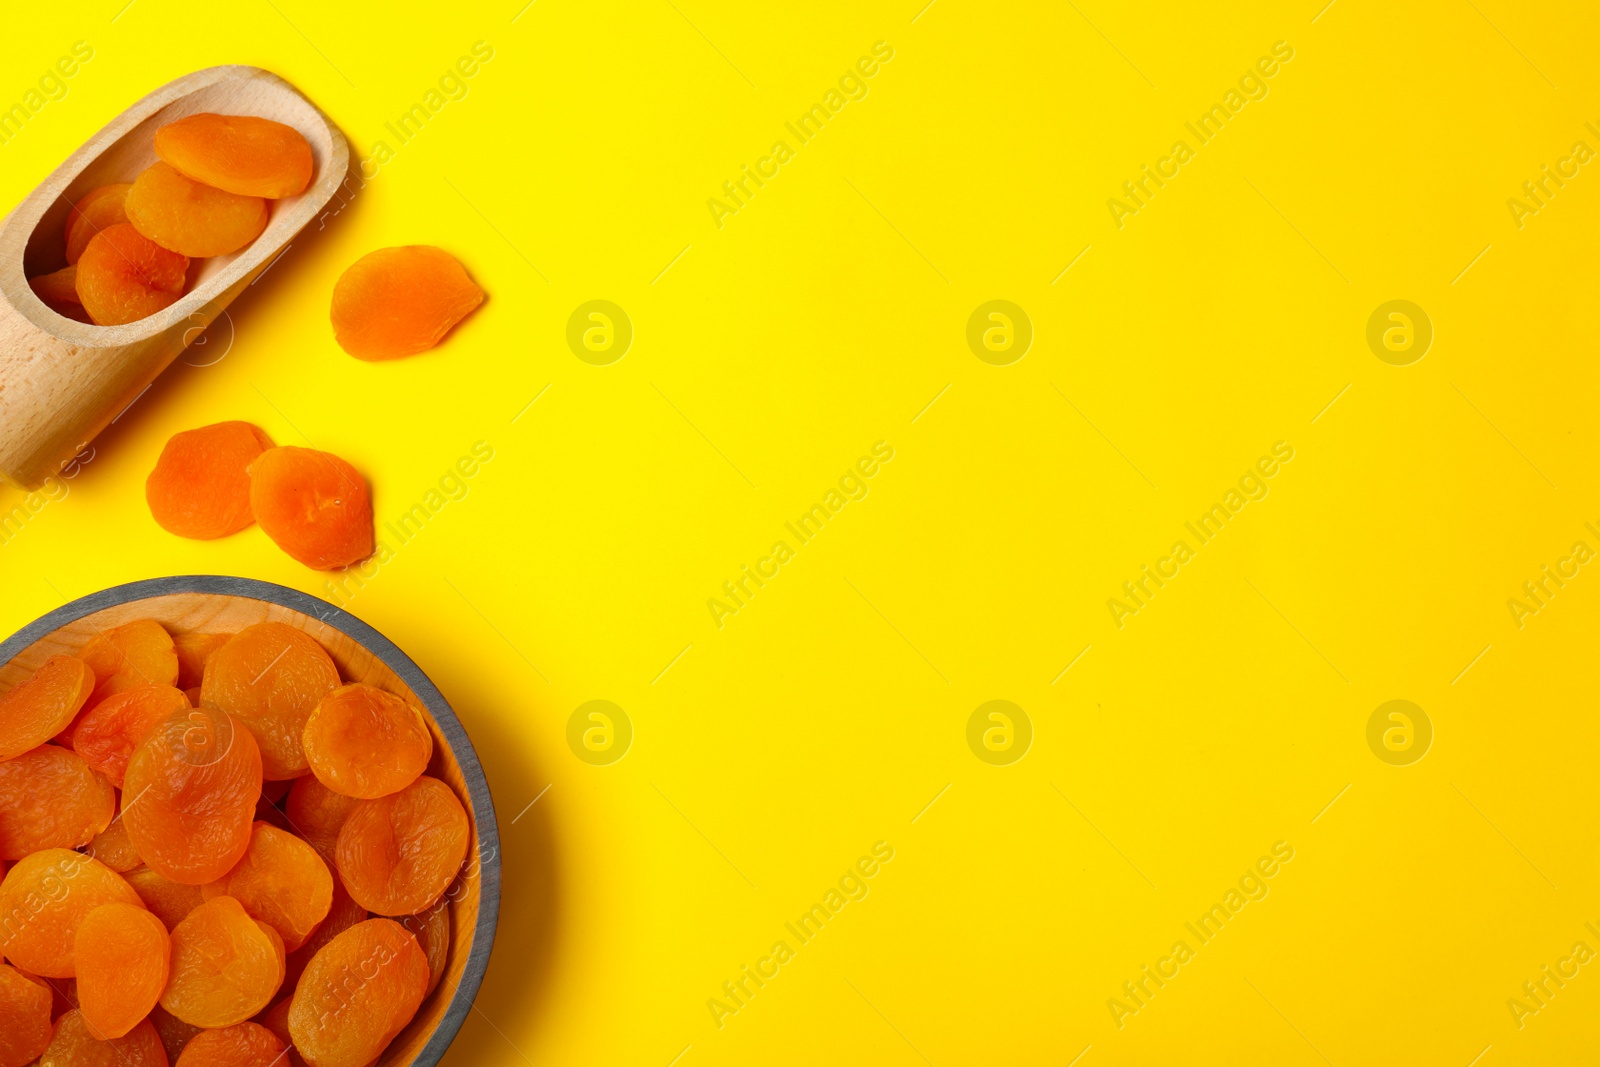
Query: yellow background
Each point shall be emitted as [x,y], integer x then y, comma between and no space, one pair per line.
[824,317]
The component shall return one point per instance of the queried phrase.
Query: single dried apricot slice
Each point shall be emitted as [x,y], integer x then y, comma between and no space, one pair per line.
[133,654]
[225,965]
[170,901]
[240,153]
[343,913]
[282,882]
[114,848]
[200,487]
[43,900]
[50,798]
[317,813]
[123,276]
[270,676]
[73,1044]
[175,1034]
[24,1017]
[360,991]
[400,301]
[121,954]
[106,734]
[277,1020]
[431,928]
[313,505]
[193,783]
[96,210]
[59,291]
[399,853]
[194,648]
[240,1045]
[364,742]
[188,217]
[44,705]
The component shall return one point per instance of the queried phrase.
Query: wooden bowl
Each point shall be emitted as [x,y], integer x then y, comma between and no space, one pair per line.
[213,604]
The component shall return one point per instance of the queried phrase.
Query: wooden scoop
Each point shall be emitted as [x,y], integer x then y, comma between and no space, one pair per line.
[61,381]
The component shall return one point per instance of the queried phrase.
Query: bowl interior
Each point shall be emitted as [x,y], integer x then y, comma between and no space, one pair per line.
[225,613]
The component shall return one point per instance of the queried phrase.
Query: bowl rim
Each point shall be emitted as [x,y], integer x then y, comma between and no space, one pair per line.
[483,932]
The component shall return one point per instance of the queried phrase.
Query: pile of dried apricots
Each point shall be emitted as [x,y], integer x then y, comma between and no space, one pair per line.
[220,855]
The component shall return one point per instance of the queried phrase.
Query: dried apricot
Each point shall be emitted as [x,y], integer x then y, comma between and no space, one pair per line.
[194,648]
[43,900]
[200,487]
[400,301]
[59,291]
[192,785]
[282,882]
[360,991]
[317,814]
[133,654]
[313,505]
[343,913]
[364,742]
[188,217]
[431,928]
[50,798]
[123,276]
[175,1034]
[106,734]
[41,707]
[114,848]
[225,965]
[399,853]
[96,210]
[240,153]
[240,1045]
[121,955]
[73,1044]
[170,901]
[24,1017]
[277,1020]
[270,676]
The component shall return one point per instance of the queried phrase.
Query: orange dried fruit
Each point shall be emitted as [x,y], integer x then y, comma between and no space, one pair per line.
[270,676]
[240,153]
[282,882]
[364,742]
[343,913]
[41,707]
[123,276]
[400,301]
[106,734]
[170,901]
[193,783]
[24,1017]
[193,648]
[114,848]
[133,654]
[240,1045]
[175,1034]
[73,1044]
[121,954]
[200,487]
[360,991]
[50,798]
[96,210]
[317,814]
[314,506]
[431,928]
[277,1020]
[59,291]
[44,898]
[226,966]
[191,218]
[398,854]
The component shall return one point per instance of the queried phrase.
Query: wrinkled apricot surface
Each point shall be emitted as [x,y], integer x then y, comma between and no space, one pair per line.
[282,882]
[431,928]
[192,785]
[240,153]
[399,853]
[50,798]
[270,676]
[313,505]
[106,734]
[225,965]
[191,218]
[121,955]
[114,848]
[194,648]
[170,901]
[360,991]
[73,1044]
[200,487]
[400,301]
[343,913]
[24,1017]
[41,707]
[133,654]
[123,276]
[96,210]
[242,1045]
[44,898]
[364,742]
[317,814]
